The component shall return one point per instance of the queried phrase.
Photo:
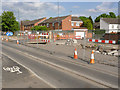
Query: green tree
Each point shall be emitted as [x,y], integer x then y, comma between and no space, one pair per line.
[50,18]
[87,22]
[9,22]
[0,23]
[41,28]
[104,15]
[112,15]
[91,19]
[118,16]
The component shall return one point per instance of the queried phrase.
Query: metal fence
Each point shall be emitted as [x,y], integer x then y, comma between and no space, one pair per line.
[63,43]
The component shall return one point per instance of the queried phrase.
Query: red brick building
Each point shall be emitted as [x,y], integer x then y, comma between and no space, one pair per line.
[58,23]
[27,25]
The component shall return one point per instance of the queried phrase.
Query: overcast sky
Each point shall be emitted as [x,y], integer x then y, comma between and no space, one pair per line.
[29,10]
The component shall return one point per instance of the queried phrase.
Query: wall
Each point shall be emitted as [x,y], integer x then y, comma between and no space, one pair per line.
[104,25]
[66,23]
[113,28]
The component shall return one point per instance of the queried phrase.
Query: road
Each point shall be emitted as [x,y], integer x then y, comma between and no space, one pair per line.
[57,72]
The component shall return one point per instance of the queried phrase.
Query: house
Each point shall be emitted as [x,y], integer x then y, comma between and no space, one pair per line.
[57,23]
[27,25]
[111,25]
[96,25]
[65,23]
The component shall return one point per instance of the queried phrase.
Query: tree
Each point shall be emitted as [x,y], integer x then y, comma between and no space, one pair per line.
[9,22]
[104,15]
[87,22]
[50,18]
[118,16]
[112,15]
[41,28]
[91,19]
[0,23]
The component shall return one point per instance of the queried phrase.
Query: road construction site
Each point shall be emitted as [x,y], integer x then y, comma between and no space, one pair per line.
[70,58]
[54,69]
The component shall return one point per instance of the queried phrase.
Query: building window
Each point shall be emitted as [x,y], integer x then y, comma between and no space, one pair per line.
[72,23]
[60,24]
[52,24]
[117,26]
[47,24]
[112,26]
[77,24]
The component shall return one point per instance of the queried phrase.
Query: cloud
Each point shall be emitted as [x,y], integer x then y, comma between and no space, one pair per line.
[75,7]
[32,10]
[104,7]
[77,15]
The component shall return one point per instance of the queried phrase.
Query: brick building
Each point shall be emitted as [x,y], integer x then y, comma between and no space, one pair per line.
[27,25]
[65,23]
[62,23]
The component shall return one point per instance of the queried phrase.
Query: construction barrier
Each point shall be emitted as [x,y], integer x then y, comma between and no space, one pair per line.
[102,41]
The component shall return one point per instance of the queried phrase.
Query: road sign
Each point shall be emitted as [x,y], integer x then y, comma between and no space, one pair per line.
[11,33]
[8,34]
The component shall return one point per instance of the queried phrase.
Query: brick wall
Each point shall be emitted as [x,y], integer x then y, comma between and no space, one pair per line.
[66,23]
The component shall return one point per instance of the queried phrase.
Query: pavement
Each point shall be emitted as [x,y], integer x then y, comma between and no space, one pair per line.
[16,76]
[67,51]
[56,77]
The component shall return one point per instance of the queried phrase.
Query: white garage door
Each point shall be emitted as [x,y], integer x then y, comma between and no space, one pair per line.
[80,34]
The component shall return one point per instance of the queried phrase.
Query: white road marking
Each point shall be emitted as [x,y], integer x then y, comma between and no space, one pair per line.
[67,69]
[30,71]
[12,69]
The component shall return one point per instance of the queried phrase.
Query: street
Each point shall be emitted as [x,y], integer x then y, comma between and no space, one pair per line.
[56,72]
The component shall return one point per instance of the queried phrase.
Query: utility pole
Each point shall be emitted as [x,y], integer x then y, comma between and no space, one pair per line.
[58,15]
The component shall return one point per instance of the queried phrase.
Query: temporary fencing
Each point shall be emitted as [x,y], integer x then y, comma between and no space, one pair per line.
[84,45]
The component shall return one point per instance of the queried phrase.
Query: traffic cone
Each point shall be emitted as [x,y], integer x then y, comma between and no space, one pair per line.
[92,58]
[17,42]
[2,38]
[75,54]
[7,39]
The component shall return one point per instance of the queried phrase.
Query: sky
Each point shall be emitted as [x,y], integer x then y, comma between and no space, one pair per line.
[30,10]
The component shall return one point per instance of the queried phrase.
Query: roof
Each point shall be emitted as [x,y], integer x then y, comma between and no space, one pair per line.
[96,24]
[76,19]
[111,20]
[31,22]
[55,19]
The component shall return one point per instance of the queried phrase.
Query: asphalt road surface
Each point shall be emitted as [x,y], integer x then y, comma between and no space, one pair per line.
[58,73]
[14,76]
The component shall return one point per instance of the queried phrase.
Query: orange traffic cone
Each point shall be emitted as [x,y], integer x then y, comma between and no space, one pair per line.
[17,42]
[75,54]
[2,38]
[7,39]
[92,58]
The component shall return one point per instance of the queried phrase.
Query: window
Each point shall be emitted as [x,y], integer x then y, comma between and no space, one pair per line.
[72,23]
[117,26]
[47,24]
[77,24]
[112,26]
[60,24]
[52,24]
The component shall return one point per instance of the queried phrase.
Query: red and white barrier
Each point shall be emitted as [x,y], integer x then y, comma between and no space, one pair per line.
[45,40]
[102,41]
